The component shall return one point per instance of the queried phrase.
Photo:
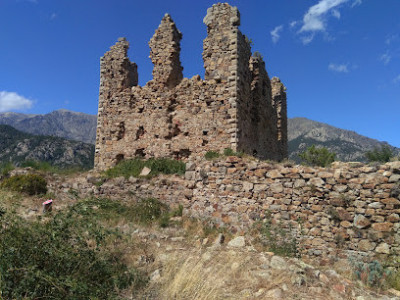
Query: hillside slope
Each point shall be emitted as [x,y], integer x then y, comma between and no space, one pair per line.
[348,145]
[17,146]
[62,123]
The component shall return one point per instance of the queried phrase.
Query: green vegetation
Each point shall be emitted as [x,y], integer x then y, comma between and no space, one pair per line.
[384,154]
[6,168]
[30,184]
[47,167]
[133,167]
[314,156]
[150,209]
[372,274]
[37,165]
[48,148]
[210,155]
[230,152]
[276,238]
[71,255]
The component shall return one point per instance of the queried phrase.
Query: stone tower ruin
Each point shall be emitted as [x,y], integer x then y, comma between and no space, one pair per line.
[236,106]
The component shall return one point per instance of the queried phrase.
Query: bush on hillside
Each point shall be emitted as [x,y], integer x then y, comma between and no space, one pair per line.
[210,155]
[383,154]
[30,184]
[320,156]
[6,168]
[63,258]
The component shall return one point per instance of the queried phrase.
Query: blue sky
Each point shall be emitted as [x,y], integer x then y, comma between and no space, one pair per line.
[340,59]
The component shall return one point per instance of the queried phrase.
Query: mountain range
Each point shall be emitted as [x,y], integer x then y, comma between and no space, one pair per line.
[62,123]
[348,145]
[17,146]
[302,133]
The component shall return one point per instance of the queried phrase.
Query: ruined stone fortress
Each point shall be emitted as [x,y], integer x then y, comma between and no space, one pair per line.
[236,106]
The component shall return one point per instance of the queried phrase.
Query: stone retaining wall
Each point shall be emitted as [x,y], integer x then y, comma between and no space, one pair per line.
[349,209]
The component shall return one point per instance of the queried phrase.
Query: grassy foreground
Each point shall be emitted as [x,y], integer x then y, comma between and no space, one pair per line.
[69,255]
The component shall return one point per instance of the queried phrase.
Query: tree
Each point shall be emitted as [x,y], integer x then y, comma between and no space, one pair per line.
[384,154]
[317,156]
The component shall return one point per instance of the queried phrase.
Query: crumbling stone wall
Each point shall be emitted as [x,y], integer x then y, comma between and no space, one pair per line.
[347,210]
[172,116]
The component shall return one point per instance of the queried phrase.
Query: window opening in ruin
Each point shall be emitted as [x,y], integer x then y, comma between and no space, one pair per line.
[141,109]
[205,142]
[119,158]
[174,132]
[121,131]
[182,153]
[205,132]
[140,132]
[140,152]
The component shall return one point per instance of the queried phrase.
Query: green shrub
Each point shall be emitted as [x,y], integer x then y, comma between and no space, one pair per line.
[276,238]
[178,212]
[47,167]
[6,168]
[230,152]
[30,184]
[149,210]
[210,155]
[372,274]
[314,156]
[63,258]
[383,154]
[133,167]
[37,165]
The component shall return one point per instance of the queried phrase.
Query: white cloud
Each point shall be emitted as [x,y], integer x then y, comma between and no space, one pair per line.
[385,58]
[342,68]
[307,39]
[314,19]
[336,13]
[396,80]
[13,101]
[275,33]
[293,24]
[53,16]
[392,38]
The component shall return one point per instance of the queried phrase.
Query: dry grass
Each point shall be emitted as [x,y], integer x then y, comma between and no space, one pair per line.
[217,274]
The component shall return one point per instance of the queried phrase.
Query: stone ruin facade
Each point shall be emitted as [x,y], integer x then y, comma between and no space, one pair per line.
[236,106]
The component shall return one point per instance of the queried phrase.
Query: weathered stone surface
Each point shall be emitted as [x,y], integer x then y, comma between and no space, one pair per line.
[237,242]
[361,222]
[145,171]
[274,174]
[383,248]
[366,245]
[237,106]
[165,50]
[390,201]
[318,182]
[394,178]
[278,263]
[343,214]
[386,227]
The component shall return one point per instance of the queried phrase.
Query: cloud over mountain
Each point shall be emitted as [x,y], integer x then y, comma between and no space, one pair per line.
[13,101]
